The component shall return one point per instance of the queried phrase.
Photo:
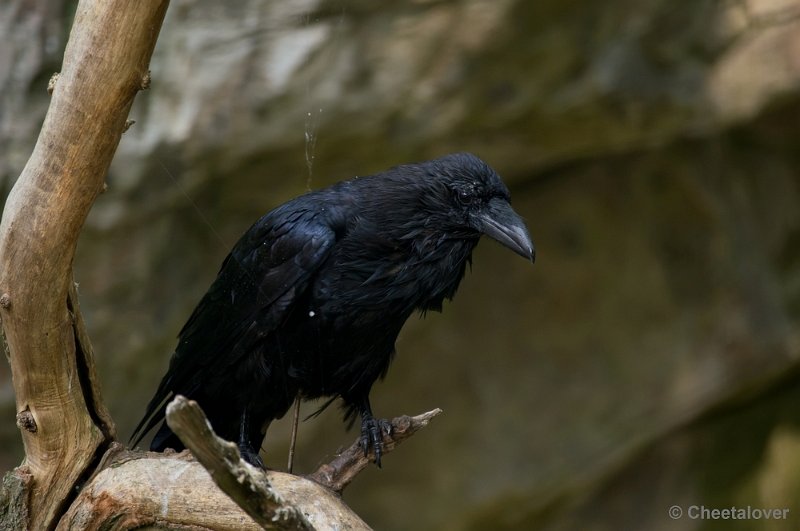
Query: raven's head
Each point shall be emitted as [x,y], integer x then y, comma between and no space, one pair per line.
[467,196]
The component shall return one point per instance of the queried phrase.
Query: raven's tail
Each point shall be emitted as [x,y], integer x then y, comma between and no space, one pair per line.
[156,411]
[165,438]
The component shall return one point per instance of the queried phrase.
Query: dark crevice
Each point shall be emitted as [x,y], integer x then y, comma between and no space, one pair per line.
[89,398]
[85,380]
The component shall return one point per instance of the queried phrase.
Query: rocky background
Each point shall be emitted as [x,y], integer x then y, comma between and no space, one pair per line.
[650,358]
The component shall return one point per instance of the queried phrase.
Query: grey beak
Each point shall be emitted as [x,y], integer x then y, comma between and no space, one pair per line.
[501,223]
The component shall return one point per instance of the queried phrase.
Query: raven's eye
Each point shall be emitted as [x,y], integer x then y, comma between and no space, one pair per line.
[465,198]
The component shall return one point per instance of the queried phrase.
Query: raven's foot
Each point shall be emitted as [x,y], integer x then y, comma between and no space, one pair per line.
[372,431]
[251,456]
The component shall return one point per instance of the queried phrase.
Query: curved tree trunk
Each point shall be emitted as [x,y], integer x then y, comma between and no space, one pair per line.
[65,427]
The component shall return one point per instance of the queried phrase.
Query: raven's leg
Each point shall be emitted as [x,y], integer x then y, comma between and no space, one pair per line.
[371,429]
[246,448]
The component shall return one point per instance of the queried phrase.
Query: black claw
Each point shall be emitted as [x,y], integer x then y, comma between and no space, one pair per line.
[372,436]
[364,440]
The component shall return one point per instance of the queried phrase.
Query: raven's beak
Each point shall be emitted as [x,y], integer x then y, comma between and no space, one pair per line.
[499,221]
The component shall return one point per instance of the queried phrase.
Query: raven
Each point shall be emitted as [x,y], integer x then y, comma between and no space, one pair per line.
[311,299]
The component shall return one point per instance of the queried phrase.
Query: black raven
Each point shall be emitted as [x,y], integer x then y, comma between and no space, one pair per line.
[311,299]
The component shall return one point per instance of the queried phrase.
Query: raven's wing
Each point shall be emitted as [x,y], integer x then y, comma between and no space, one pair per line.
[268,268]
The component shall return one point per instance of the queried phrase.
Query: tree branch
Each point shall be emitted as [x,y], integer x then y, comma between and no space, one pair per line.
[64,426]
[246,485]
[272,499]
[136,490]
[338,474]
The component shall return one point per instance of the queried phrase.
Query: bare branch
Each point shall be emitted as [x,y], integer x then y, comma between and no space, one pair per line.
[245,484]
[337,474]
[162,491]
[262,495]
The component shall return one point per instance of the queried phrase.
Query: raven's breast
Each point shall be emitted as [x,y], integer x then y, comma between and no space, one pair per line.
[338,353]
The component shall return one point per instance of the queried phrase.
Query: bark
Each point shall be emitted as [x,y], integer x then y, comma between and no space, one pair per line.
[209,486]
[171,491]
[341,471]
[275,499]
[248,486]
[65,427]
[219,490]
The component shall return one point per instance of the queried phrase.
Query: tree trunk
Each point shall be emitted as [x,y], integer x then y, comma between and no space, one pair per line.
[65,427]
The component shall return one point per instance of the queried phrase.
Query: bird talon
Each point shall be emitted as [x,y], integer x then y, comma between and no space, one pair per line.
[372,437]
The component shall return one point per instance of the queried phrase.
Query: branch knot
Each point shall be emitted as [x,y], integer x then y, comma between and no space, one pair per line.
[25,421]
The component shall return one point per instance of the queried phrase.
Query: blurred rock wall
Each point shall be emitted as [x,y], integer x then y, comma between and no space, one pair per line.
[648,359]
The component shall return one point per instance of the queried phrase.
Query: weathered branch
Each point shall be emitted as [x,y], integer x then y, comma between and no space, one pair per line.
[165,491]
[337,474]
[245,484]
[64,426]
[273,499]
